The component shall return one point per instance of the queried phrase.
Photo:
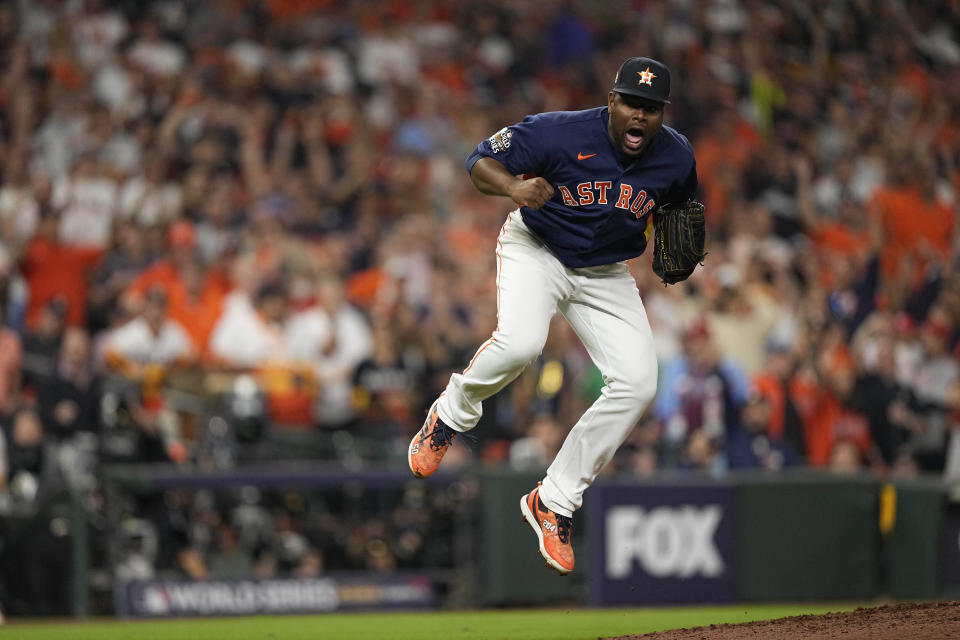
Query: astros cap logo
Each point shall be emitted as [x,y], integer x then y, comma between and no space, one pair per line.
[646,69]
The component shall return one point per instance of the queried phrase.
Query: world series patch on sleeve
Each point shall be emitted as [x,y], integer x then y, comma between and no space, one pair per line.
[679,242]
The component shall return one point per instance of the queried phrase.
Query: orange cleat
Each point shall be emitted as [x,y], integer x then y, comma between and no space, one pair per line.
[553,531]
[429,444]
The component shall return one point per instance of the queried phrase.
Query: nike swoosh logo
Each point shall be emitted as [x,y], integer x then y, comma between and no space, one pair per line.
[580,156]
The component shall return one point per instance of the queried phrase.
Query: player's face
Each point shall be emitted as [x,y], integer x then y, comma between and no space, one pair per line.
[634,121]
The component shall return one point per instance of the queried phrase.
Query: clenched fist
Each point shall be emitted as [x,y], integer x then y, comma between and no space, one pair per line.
[532,193]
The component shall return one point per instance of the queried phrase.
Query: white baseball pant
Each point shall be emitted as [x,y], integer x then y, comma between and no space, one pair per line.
[603,306]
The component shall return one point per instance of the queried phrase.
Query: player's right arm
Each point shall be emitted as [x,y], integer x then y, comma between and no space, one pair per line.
[520,149]
[493,179]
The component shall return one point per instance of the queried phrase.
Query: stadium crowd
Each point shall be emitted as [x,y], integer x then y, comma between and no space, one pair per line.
[240,230]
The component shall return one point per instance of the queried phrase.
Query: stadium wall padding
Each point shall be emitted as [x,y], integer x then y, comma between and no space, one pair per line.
[796,535]
[808,539]
[511,570]
[912,551]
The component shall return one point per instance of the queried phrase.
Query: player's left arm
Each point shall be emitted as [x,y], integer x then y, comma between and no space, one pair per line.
[679,231]
[686,189]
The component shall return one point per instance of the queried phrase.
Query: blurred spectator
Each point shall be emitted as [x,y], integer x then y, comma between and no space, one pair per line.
[13,292]
[700,391]
[752,446]
[87,202]
[138,427]
[539,446]
[96,33]
[151,198]
[260,335]
[69,399]
[41,345]
[704,453]
[35,554]
[336,337]
[152,339]
[926,412]
[154,55]
[11,358]
[19,209]
[219,225]
[182,522]
[144,351]
[741,316]
[53,269]
[845,457]
[30,468]
[292,548]
[561,368]
[116,271]
[229,559]
[774,391]
[643,461]
[385,387]
[195,293]
[718,161]
[917,224]
[822,392]
[951,470]
[137,550]
[251,332]
[876,388]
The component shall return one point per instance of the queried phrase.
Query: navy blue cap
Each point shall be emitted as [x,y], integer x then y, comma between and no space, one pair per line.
[644,77]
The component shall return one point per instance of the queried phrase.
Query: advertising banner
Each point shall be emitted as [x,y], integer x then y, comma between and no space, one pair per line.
[174,598]
[658,544]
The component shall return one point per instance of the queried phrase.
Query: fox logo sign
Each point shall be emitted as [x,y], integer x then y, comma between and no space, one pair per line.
[665,541]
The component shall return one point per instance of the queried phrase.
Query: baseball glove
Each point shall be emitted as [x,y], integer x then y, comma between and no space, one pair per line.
[679,237]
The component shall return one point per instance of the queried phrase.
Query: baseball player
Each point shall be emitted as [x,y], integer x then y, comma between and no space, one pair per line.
[590,182]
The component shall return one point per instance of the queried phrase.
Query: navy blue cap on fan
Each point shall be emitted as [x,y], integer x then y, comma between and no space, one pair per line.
[644,77]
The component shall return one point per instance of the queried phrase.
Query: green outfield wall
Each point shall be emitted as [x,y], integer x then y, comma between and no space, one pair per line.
[911,554]
[801,536]
[807,538]
[672,539]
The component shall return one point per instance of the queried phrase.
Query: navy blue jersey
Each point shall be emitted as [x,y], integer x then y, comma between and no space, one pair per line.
[601,210]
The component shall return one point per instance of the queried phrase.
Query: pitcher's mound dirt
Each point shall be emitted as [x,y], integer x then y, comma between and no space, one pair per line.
[936,621]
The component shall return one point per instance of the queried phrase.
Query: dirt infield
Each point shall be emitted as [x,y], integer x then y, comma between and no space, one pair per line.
[937,621]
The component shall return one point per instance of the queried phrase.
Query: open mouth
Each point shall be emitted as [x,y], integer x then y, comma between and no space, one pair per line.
[633,138]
